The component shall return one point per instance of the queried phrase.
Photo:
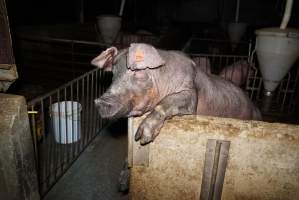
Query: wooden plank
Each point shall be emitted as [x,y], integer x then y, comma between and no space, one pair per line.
[262,164]
[140,154]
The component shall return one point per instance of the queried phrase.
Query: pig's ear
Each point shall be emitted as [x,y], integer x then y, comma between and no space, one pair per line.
[142,56]
[105,59]
[120,54]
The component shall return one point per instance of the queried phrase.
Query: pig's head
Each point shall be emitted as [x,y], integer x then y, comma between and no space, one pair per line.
[132,92]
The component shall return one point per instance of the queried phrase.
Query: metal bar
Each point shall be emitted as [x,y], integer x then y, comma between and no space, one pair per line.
[51,59]
[255,78]
[96,96]
[87,111]
[279,90]
[259,91]
[285,93]
[214,170]
[78,118]
[60,52]
[222,163]
[249,49]
[65,147]
[37,99]
[216,40]
[92,122]
[59,134]
[49,39]
[43,142]
[216,157]
[293,95]
[83,115]
[100,93]
[72,145]
[52,144]
[213,55]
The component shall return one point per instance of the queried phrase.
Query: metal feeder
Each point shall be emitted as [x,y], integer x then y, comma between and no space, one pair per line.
[277,50]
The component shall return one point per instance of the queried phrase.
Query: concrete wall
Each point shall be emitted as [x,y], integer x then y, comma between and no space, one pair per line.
[18,180]
[263,159]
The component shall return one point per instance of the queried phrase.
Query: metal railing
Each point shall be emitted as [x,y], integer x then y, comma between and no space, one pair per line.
[211,46]
[286,95]
[51,62]
[61,133]
[63,121]
[219,54]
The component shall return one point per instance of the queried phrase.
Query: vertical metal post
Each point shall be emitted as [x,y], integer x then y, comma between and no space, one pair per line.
[92,122]
[83,115]
[214,169]
[78,126]
[73,128]
[65,147]
[87,101]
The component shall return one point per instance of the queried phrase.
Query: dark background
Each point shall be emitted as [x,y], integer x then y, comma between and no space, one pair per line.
[149,13]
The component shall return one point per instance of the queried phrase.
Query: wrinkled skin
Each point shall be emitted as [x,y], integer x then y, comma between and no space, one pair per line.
[165,84]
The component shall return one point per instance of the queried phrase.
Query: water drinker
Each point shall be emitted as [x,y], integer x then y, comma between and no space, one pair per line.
[277,50]
[109,26]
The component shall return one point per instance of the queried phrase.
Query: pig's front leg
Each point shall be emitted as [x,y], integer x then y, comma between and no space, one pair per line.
[181,103]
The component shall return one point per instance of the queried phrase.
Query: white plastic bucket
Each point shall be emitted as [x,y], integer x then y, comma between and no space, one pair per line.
[66,120]
[109,26]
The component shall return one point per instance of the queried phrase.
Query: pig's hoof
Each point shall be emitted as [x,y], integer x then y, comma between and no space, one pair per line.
[145,140]
[138,134]
[144,134]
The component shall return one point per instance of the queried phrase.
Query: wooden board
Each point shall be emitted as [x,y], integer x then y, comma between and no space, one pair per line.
[263,160]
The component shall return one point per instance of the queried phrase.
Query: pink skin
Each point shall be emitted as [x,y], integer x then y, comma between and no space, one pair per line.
[236,72]
[171,85]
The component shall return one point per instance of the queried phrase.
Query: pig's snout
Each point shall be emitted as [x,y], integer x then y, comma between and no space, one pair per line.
[111,107]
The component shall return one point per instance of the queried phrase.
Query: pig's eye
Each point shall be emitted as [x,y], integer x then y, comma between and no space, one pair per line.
[140,75]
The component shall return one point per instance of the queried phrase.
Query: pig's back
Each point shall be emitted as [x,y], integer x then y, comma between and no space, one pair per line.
[218,97]
[177,74]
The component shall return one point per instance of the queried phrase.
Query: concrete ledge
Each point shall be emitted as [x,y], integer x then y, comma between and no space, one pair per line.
[18,178]
[263,159]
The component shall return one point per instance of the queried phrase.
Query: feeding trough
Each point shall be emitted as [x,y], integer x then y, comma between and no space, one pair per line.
[277,50]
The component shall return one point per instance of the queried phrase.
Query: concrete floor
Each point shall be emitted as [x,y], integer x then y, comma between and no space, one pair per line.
[94,176]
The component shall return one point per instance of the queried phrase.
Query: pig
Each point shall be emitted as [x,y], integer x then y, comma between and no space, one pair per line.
[236,73]
[203,63]
[165,84]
